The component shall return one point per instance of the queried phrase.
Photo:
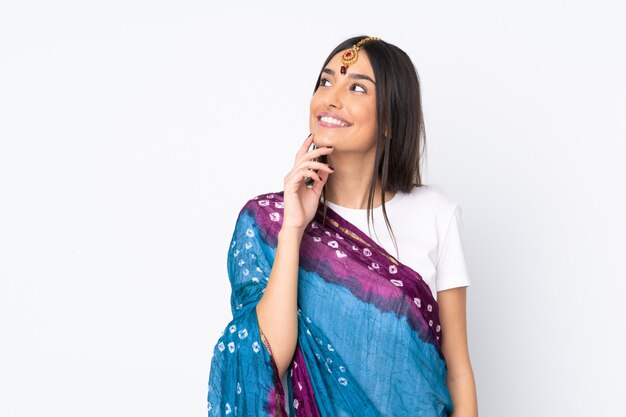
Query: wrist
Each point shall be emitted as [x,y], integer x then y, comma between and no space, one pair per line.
[291,232]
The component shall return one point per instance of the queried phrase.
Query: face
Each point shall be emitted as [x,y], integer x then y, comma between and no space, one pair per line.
[343,109]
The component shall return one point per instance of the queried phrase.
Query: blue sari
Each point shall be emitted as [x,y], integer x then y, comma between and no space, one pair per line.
[369,336]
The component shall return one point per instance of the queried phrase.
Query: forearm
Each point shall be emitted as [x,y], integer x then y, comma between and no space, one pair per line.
[277,311]
[463,394]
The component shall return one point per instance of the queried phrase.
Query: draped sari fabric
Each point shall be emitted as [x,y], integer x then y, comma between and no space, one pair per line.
[369,336]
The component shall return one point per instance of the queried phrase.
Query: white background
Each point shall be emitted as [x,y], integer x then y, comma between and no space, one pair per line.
[132,132]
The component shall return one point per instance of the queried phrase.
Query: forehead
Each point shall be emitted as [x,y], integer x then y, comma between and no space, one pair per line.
[362,64]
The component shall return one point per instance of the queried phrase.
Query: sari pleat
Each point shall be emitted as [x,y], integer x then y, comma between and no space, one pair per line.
[369,336]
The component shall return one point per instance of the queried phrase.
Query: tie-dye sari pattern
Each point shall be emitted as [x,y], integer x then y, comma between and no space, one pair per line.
[369,336]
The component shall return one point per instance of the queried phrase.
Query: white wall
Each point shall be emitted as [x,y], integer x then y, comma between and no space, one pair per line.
[132,132]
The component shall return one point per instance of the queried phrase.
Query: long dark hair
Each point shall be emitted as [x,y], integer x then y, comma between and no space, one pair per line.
[399,109]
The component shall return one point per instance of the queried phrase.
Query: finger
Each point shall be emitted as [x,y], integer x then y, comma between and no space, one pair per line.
[318,185]
[315,165]
[305,146]
[308,179]
[296,179]
[311,178]
[302,173]
[297,176]
[315,153]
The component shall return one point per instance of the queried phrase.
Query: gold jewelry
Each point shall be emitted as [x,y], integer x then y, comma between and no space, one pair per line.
[349,56]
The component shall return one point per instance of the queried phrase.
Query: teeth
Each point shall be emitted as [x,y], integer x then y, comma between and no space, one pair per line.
[328,119]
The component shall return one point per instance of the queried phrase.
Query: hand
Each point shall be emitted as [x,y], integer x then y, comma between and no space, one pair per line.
[300,201]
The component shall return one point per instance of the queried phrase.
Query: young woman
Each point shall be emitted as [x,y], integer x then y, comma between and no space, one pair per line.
[326,322]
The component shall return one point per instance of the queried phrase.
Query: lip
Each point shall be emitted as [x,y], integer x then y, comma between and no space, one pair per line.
[334,116]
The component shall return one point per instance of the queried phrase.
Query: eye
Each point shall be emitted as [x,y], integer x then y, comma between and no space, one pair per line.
[361,87]
[322,80]
[353,86]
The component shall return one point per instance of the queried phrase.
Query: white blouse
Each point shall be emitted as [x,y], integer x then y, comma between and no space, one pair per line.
[427,229]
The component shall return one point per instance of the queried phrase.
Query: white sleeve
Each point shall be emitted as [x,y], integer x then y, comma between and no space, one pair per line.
[451,268]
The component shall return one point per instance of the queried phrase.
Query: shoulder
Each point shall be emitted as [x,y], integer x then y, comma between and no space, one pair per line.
[431,199]
[261,213]
[265,210]
[264,202]
[431,206]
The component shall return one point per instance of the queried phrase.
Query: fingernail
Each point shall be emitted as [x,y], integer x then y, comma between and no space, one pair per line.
[330,147]
[331,167]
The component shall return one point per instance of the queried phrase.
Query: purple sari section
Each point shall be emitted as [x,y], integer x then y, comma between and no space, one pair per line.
[335,254]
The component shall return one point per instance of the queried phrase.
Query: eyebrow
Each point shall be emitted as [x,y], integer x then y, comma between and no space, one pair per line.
[351,75]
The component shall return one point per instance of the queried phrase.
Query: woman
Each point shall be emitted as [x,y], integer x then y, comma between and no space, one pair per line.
[325,321]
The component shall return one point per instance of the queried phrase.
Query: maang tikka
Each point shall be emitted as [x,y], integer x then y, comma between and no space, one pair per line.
[349,56]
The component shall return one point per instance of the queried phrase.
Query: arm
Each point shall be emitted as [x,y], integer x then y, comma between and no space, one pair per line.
[277,311]
[460,380]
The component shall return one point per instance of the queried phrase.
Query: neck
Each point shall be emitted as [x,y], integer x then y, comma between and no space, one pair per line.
[348,186]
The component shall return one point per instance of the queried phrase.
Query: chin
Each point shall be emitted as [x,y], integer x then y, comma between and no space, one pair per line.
[322,140]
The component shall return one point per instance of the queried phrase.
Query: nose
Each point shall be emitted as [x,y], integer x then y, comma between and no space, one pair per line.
[334,98]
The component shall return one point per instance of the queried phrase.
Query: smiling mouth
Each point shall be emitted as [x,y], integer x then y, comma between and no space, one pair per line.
[327,120]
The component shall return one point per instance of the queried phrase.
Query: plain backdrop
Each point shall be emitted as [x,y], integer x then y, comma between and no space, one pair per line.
[132,132]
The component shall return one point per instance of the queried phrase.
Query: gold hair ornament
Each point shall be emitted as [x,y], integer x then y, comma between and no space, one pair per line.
[349,56]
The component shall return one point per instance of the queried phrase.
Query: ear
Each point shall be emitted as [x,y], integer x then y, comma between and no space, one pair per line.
[386,139]
[386,131]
